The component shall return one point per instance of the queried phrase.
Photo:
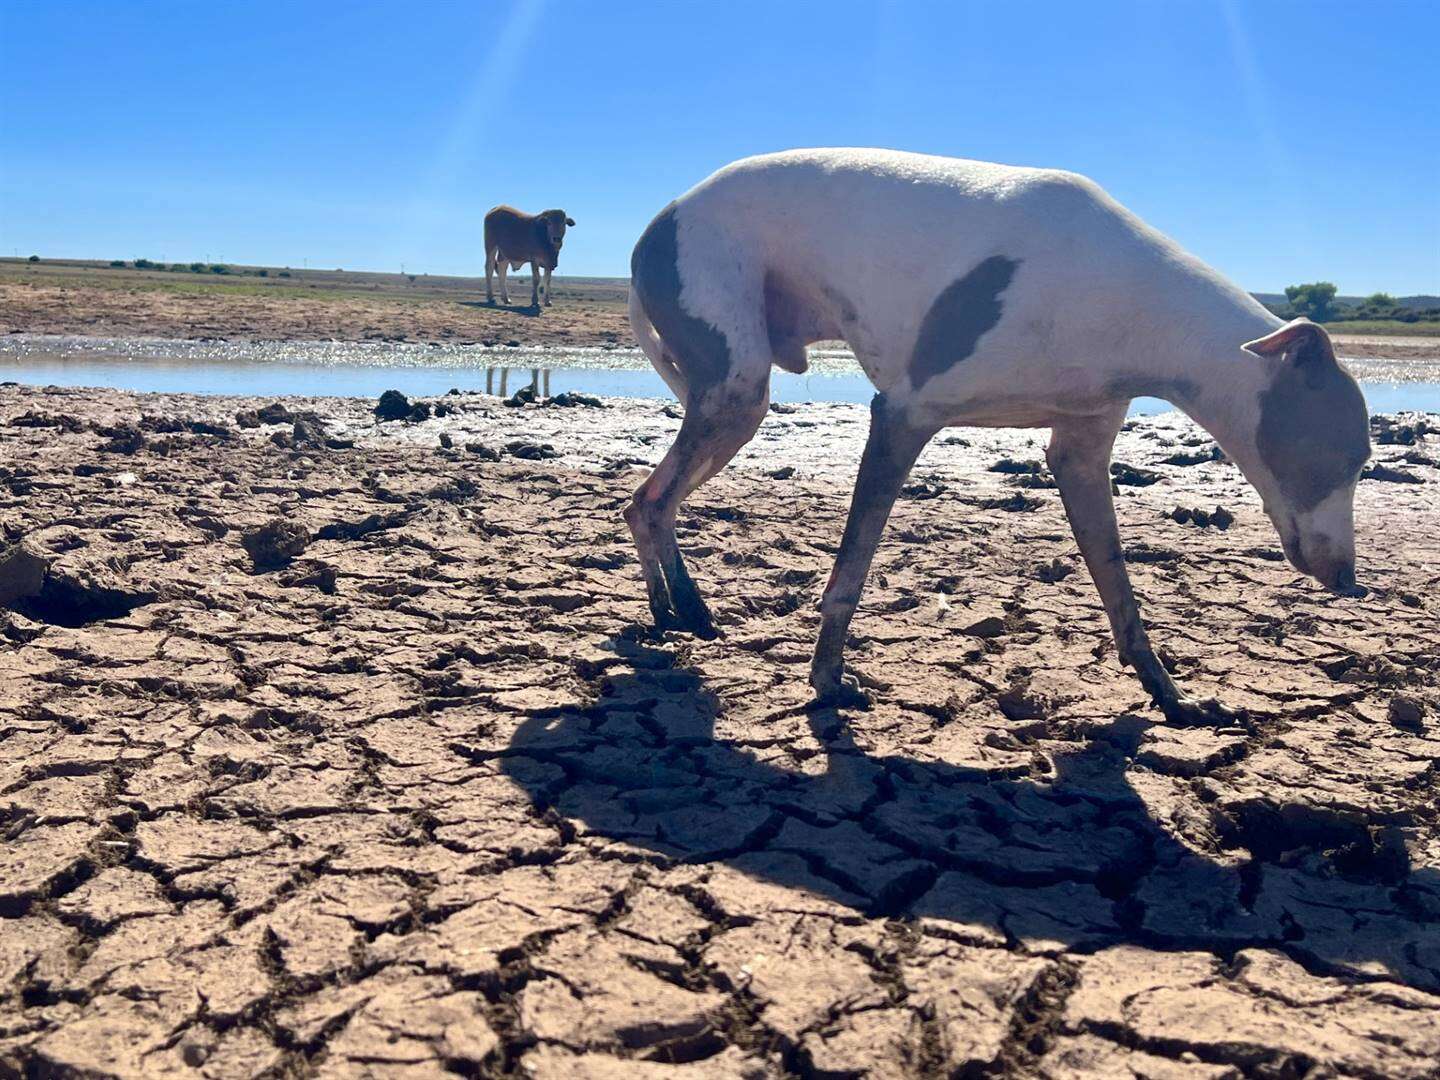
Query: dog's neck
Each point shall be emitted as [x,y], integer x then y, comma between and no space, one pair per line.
[1198,361]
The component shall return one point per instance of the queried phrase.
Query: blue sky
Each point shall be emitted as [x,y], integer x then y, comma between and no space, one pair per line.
[1281,142]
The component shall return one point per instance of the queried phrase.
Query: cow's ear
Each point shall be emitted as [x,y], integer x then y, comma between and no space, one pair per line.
[570,221]
[1300,339]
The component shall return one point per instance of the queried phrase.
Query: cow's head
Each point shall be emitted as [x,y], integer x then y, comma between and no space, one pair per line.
[554,223]
[1311,442]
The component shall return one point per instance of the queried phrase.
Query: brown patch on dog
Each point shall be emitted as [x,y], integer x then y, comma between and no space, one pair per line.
[959,317]
[698,349]
[1314,430]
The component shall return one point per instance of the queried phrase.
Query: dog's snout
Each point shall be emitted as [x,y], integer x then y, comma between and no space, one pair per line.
[1342,582]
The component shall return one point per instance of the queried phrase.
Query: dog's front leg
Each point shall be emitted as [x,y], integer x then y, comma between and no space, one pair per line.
[1079,457]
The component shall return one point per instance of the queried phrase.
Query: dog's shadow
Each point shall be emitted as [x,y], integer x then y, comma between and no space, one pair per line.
[1070,857]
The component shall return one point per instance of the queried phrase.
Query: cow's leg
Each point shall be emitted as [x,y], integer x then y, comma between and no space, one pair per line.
[548,272]
[717,424]
[489,267]
[1079,457]
[890,451]
[535,285]
[501,266]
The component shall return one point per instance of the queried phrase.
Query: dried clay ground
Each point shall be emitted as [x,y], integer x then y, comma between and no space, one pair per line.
[419,795]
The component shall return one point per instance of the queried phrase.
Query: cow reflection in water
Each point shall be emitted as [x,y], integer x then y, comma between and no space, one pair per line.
[539,381]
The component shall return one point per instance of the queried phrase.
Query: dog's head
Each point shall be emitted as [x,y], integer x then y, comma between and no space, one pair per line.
[1311,442]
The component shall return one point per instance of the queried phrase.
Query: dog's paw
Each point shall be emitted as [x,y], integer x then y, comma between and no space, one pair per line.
[843,693]
[1198,712]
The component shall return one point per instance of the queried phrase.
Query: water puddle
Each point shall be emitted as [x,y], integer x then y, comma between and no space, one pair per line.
[367,369]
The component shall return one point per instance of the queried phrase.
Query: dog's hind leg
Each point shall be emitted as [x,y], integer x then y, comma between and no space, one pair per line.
[718,422]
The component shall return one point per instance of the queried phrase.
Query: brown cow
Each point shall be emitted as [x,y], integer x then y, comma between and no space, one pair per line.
[513,238]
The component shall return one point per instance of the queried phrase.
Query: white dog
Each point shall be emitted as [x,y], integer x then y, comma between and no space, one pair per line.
[978,294]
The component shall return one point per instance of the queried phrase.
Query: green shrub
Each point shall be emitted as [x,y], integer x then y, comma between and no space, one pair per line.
[1314,300]
[34,258]
[118,263]
[146,264]
[197,268]
[219,268]
[262,273]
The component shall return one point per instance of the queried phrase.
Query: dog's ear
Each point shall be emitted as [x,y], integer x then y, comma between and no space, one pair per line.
[1300,339]
[570,221]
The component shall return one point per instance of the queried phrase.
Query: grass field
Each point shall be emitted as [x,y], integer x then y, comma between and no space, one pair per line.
[1385,327]
[93,298]
[302,283]
[76,296]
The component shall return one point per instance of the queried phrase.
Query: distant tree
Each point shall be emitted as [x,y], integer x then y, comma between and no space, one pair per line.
[262,273]
[118,263]
[145,264]
[197,268]
[1380,299]
[1315,300]
[219,268]
[34,258]
[283,273]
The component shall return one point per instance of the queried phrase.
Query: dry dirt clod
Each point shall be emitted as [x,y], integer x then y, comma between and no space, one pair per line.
[1381,471]
[309,434]
[1407,712]
[124,439]
[1053,571]
[22,573]
[275,543]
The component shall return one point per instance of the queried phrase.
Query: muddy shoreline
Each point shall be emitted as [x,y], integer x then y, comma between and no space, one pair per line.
[419,793]
[575,319]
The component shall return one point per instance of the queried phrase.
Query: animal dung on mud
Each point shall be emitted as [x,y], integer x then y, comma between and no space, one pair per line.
[1131,476]
[1016,468]
[530,451]
[1196,457]
[394,405]
[1220,518]
[524,396]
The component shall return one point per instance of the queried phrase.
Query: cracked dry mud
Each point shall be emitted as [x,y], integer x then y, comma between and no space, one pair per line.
[427,799]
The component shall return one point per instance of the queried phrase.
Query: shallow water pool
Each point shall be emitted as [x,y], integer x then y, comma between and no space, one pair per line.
[366,369]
